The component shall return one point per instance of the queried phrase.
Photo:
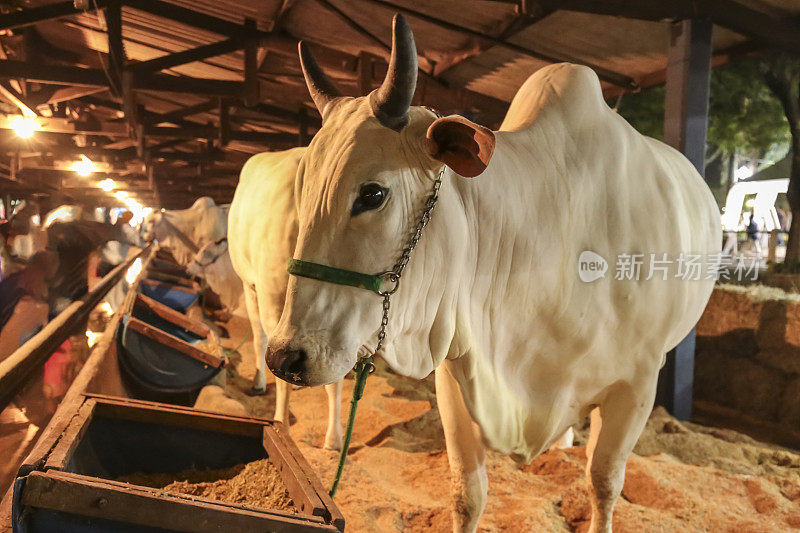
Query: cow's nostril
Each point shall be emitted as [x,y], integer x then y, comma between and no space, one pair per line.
[294,363]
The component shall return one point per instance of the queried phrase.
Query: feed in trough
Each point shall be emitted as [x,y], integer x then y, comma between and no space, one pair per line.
[257,484]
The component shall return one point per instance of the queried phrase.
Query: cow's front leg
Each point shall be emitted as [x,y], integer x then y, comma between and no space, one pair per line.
[615,428]
[259,341]
[282,390]
[465,452]
[566,440]
[333,437]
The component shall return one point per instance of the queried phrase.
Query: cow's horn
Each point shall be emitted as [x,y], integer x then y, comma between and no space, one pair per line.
[390,102]
[322,89]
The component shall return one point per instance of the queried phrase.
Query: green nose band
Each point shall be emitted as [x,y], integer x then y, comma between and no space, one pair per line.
[339,276]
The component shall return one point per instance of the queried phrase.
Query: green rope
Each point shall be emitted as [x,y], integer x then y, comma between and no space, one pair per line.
[229,352]
[362,369]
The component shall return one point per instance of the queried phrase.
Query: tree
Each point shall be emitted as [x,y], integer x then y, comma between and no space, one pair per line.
[743,114]
[782,75]
[745,118]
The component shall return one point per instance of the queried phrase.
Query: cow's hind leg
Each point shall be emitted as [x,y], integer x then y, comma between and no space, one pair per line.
[616,426]
[465,452]
[333,437]
[259,341]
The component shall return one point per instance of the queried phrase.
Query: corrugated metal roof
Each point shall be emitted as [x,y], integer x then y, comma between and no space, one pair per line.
[472,67]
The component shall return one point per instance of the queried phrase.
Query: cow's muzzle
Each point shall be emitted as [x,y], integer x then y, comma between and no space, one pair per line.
[288,365]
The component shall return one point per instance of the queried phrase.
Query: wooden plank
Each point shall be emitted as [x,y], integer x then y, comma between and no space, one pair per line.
[71,437]
[172,315]
[303,495]
[335,517]
[175,343]
[178,416]
[66,492]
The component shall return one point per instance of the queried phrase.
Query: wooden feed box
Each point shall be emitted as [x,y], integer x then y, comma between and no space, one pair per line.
[70,487]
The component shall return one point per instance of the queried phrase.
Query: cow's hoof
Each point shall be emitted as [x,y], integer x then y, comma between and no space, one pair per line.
[333,444]
[254,391]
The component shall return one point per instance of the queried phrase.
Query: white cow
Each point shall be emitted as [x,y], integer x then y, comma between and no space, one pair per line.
[213,264]
[185,231]
[262,232]
[491,298]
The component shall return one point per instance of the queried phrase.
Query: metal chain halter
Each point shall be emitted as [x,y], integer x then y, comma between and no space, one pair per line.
[397,271]
[365,365]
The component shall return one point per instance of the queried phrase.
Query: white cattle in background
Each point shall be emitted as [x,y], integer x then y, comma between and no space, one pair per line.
[213,265]
[526,339]
[262,231]
[185,231]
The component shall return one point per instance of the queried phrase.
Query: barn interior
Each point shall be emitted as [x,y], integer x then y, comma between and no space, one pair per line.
[150,105]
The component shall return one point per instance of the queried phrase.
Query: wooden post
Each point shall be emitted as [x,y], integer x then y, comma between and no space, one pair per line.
[251,83]
[773,245]
[685,124]
[302,130]
[364,73]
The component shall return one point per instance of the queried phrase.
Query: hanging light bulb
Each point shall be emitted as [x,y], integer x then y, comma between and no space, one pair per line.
[84,167]
[107,185]
[24,127]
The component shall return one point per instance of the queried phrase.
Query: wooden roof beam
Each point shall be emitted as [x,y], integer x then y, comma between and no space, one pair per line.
[437,93]
[603,73]
[780,33]
[92,77]
[226,46]
[34,15]
[190,17]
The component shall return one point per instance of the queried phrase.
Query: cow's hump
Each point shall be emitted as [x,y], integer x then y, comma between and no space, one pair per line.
[567,93]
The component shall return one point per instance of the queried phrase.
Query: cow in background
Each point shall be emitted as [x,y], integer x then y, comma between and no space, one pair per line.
[185,231]
[492,299]
[262,233]
[212,264]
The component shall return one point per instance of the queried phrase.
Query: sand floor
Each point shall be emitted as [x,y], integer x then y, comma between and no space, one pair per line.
[683,478]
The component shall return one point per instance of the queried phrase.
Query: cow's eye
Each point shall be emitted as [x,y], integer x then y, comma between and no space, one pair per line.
[370,196]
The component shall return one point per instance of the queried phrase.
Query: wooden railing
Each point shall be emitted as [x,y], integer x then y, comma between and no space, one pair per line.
[21,365]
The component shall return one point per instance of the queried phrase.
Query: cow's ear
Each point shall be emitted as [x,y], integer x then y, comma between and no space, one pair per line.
[460,144]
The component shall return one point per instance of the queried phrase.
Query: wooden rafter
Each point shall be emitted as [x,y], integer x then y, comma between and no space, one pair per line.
[603,73]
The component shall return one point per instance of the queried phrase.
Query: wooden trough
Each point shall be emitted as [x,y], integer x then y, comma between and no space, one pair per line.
[73,489]
[102,431]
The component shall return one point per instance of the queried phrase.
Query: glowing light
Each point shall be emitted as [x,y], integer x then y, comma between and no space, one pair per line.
[133,271]
[37,220]
[92,337]
[107,185]
[84,167]
[24,127]
[742,173]
[138,211]
[105,307]
[64,213]
[750,203]
[121,195]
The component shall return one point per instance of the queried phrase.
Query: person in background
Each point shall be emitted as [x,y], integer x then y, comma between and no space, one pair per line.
[754,235]
[31,281]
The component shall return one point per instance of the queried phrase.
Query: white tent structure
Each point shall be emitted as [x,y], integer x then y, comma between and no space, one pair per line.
[766,192]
